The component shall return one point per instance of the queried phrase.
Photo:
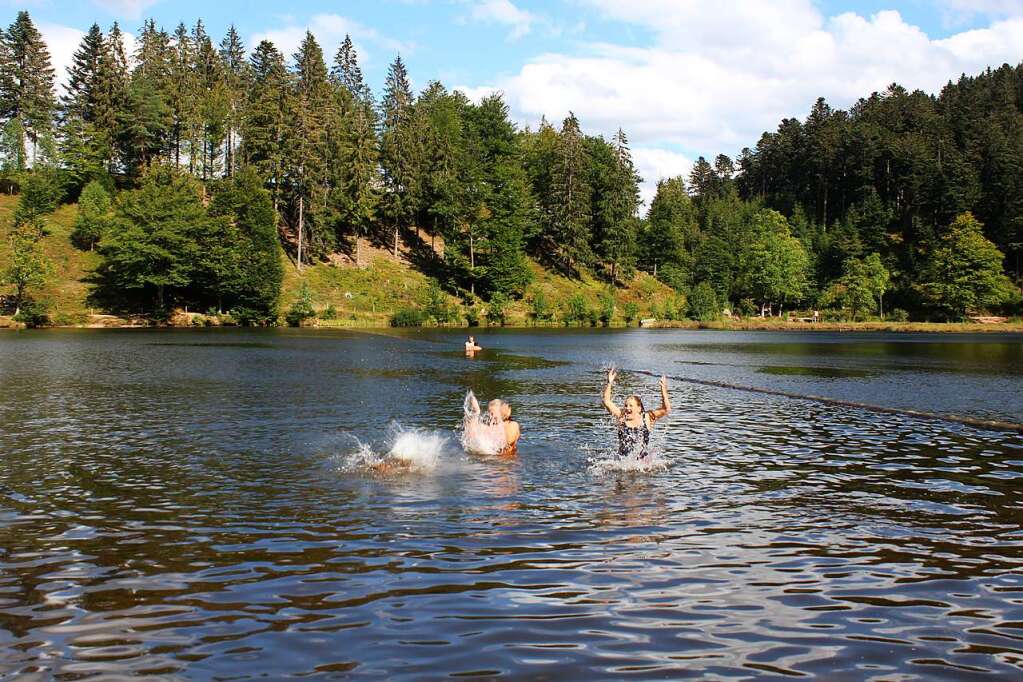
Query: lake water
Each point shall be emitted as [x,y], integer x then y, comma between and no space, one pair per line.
[190,504]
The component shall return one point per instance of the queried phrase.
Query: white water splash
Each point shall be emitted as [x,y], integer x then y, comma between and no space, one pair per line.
[482,434]
[610,463]
[408,449]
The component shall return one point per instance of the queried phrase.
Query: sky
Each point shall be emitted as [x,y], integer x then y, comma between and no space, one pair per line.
[682,78]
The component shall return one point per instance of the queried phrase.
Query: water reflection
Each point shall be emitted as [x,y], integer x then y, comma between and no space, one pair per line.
[190,518]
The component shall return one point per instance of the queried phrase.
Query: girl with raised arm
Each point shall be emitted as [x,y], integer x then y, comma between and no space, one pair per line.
[633,422]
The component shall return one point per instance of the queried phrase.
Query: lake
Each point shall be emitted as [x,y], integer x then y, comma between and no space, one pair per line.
[191,504]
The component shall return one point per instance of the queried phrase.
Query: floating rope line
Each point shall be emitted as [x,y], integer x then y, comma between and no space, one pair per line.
[994,425]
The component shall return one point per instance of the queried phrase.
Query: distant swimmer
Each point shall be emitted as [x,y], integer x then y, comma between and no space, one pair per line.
[634,423]
[512,431]
[471,348]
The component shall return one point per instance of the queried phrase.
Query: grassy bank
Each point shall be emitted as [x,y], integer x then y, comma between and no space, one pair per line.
[369,295]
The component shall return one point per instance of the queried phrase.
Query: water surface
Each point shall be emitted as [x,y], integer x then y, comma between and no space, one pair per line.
[178,503]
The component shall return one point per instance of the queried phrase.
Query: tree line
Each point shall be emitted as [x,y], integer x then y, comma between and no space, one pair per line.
[194,163]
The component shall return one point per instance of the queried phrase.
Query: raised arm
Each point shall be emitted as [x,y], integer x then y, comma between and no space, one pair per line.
[606,396]
[665,407]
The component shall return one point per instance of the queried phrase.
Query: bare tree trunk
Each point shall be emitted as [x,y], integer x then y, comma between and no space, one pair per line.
[301,217]
[396,240]
[472,264]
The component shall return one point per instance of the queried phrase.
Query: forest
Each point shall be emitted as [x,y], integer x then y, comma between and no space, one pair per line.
[196,163]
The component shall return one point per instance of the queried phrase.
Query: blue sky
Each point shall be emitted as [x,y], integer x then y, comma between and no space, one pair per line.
[682,77]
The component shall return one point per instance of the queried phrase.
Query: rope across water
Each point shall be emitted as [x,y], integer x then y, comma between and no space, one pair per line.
[994,425]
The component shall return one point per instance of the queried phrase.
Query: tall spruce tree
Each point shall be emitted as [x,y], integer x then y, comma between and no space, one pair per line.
[267,117]
[401,152]
[26,87]
[568,232]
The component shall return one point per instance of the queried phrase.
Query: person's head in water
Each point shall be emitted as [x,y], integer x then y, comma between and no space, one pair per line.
[472,340]
[505,411]
[633,406]
[494,410]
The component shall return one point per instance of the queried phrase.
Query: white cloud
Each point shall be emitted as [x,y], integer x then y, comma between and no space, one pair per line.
[62,41]
[957,12]
[129,9]
[654,164]
[712,81]
[503,12]
[330,31]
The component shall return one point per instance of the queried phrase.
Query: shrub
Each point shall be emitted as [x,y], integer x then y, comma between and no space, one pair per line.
[630,311]
[540,309]
[302,309]
[606,312]
[747,308]
[330,313]
[94,212]
[497,311]
[33,313]
[438,307]
[575,310]
[472,315]
[897,315]
[408,317]
[703,303]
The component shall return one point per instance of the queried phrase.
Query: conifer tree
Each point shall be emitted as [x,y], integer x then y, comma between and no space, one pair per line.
[401,152]
[568,232]
[266,118]
[234,71]
[26,88]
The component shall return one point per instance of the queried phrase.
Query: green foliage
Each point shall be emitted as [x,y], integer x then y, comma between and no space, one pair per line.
[40,193]
[33,313]
[408,317]
[575,311]
[964,271]
[540,309]
[329,313]
[302,309]
[497,309]
[606,308]
[630,311]
[702,303]
[438,308]
[95,210]
[28,268]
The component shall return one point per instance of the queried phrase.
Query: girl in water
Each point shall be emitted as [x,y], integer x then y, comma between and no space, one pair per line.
[634,422]
[492,433]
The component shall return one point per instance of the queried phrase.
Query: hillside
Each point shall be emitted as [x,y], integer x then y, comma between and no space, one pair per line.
[363,296]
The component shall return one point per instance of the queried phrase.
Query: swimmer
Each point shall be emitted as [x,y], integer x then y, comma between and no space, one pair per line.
[634,423]
[471,348]
[484,434]
[512,431]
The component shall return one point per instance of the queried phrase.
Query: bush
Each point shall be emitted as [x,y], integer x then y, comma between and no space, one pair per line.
[33,314]
[540,309]
[606,304]
[897,315]
[747,308]
[408,317]
[94,212]
[438,307]
[575,310]
[630,311]
[40,193]
[330,313]
[250,317]
[302,309]
[472,315]
[703,303]
[497,311]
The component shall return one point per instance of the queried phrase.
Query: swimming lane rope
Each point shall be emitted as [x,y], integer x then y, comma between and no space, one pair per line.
[994,425]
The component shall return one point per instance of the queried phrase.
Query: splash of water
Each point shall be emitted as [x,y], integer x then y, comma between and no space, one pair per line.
[608,463]
[408,449]
[481,433]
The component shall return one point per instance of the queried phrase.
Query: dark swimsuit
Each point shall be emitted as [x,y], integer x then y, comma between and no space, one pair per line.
[633,438]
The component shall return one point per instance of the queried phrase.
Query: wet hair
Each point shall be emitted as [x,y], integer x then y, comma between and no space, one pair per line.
[505,410]
[472,338]
[639,401]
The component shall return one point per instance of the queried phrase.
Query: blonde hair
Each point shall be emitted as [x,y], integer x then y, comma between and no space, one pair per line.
[639,401]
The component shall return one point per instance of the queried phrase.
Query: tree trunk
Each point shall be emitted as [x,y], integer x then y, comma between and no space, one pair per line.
[301,217]
[396,241]
[472,264]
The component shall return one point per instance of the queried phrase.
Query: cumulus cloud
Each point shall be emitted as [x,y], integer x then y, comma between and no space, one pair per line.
[503,12]
[712,81]
[654,164]
[62,41]
[956,12]
[330,31]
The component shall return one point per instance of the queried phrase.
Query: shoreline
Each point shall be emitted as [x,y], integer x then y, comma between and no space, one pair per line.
[745,325]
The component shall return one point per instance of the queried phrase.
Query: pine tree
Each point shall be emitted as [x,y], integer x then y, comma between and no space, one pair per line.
[308,147]
[401,152]
[671,234]
[615,201]
[27,94]
[267,115]
[568,231]
[234,70]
